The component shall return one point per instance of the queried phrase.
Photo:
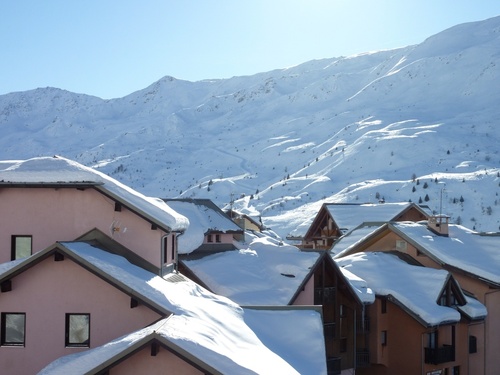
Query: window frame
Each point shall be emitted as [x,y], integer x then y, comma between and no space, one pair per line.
[67,332]
[14,248]
[3,329]
[383,338]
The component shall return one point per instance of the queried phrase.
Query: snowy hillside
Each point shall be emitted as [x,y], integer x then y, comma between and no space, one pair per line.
[417,123]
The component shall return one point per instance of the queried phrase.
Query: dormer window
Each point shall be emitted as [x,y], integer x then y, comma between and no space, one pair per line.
[451,295]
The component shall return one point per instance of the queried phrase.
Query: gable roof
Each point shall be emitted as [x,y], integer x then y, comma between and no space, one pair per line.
[347,216]
[204,217]
[415,289]
[463,249]
[209,327]
[264,273]
[60,172]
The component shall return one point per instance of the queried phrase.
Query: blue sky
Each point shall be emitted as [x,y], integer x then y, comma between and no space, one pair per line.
[113,48]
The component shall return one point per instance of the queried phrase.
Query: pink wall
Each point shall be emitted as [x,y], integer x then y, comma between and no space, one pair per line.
[225,238]
[306,297]
[163,363]
[49,290]
[51,215]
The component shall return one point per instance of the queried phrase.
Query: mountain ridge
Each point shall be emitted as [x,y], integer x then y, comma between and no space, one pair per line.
[278,144]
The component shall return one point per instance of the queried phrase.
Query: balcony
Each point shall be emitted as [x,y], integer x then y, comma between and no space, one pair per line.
[362,358]
[324,295]
[333,366]
[329,331]
[436,356]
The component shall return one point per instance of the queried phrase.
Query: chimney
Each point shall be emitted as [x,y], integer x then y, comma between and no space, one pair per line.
[439,224]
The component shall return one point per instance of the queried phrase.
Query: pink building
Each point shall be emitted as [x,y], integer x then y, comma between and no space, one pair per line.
[88,269]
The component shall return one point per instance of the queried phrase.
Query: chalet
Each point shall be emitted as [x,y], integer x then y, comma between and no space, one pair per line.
[245,222]
[211,229]
[89,265]
[421,321]
[273,274]
[78,295]
[335,219]
[64,199]
[471,257]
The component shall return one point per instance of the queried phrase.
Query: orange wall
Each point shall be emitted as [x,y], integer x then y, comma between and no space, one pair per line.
[406,340]
[49,290]
[51,215]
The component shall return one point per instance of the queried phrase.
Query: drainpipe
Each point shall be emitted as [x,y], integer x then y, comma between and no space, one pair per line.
[176,253]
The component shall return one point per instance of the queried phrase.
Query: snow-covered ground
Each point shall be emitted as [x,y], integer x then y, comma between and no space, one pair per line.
[416,123]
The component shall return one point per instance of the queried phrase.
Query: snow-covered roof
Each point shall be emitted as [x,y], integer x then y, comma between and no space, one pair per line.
[417,289]
[292,327]
[264,273]
[463,248]
[61,171]
[360,286]
[209,327]
[349,216]
[203,216]
[351,239]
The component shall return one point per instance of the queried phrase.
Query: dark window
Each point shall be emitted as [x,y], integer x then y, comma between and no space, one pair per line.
[455,370]
[432,338]
[209,238]
[383,338]
[342,311]
[472,344]
[13,329]
[173,246]
[20,247]
[217,238]
[78,330]
[343,344]
[383,306]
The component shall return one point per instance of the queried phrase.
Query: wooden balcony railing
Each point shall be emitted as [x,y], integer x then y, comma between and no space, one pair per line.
[362,358]
[436,356]
[333,366]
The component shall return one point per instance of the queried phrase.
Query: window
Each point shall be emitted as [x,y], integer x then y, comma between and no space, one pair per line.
[343,345]
[432,338]
[342,311]
[401,245]
[217,238]
[209,238]
[383,306]
[13,329]
[78,330]
[383,338]
[20,247]
[472,344]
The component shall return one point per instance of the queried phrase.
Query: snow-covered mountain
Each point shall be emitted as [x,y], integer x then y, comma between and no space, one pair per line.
[416,123]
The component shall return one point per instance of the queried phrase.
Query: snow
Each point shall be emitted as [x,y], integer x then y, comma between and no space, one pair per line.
[416,288]
[291,323]
[206,325]
[353,238]
[360,286]
[262,273]
[334,130]
[202,218]
[348,216]
[59,170]
[463,248]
